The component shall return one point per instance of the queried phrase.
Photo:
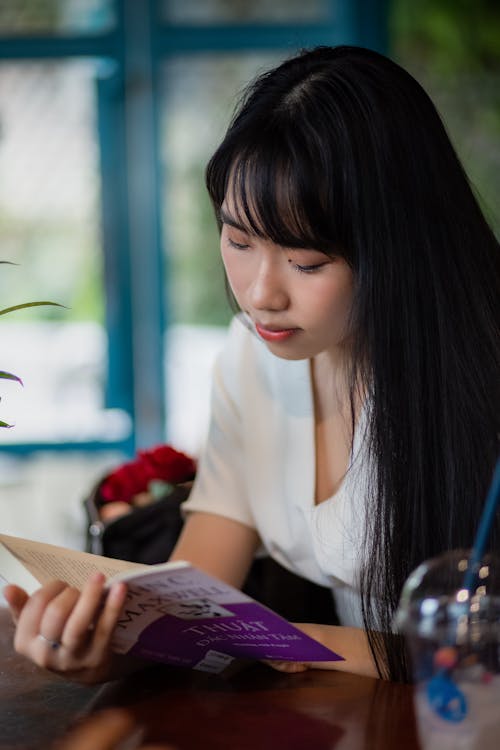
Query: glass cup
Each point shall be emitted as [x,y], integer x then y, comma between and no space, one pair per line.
[453,635]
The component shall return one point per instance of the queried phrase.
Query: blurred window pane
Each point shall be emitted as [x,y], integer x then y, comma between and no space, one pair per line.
[50,186]
[50,227]
[241,11]
[56,16]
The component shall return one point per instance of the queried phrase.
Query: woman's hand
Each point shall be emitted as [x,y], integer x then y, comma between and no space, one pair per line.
[290,667]
[351,643]
[65,630]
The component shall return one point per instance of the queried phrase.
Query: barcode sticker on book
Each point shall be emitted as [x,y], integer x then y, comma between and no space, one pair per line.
[213,662]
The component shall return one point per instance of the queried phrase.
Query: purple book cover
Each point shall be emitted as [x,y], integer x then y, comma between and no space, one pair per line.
[179,615]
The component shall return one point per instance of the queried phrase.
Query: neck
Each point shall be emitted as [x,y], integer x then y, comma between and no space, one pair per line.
[331,377]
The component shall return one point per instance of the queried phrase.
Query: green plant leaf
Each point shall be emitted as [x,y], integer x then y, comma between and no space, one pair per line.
[28,304]
[9,376]
[4,424]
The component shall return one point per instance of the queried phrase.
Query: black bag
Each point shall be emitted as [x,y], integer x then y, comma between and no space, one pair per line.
[145,535]
[149,534]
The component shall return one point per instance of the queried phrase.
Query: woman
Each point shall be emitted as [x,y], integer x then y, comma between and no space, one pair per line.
[355,414]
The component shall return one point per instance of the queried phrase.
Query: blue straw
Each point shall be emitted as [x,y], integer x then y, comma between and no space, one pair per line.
[483,530]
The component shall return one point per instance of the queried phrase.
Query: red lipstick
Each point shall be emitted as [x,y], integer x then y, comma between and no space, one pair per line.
[275,334]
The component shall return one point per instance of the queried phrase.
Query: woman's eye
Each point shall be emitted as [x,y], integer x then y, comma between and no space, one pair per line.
[237,245]
[309,269]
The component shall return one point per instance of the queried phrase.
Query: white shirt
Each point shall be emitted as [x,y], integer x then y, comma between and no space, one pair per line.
[258,468]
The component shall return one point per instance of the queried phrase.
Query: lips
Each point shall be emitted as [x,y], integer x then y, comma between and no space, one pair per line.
[274,333]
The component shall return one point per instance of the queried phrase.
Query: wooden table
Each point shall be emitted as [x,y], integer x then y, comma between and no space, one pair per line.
[254,709]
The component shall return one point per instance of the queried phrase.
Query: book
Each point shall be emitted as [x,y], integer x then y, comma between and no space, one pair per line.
[174,613]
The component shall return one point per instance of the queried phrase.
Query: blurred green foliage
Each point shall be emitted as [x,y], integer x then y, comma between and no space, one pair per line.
[453,48]
[447,36]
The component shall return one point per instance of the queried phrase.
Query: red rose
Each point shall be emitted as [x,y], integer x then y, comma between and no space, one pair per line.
[133,477]
[169,464]
[126,481]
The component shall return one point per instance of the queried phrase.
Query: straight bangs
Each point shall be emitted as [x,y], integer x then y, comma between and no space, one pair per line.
[270,187]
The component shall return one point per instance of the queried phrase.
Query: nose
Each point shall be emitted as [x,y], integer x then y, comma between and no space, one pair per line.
[268,291]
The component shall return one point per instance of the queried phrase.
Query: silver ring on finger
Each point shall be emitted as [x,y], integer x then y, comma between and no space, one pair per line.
[54,645]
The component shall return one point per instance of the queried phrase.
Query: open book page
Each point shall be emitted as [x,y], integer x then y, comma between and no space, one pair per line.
[13,571]
[29,564]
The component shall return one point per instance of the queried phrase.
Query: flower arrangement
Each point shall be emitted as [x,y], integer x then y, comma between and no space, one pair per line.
[152,474]
[8,375]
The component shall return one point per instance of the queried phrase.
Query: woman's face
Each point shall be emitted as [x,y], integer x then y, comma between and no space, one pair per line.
[299,300]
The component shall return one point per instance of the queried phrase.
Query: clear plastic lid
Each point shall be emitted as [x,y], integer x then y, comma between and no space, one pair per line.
[435,602]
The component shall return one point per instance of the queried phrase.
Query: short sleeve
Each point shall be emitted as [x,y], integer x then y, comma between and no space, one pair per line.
[220,485]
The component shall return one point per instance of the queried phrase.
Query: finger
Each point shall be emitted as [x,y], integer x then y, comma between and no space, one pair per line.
[30,617]
[80,623]
[100,732]
[291,667]
[16,598]
[108,619]
[56,614]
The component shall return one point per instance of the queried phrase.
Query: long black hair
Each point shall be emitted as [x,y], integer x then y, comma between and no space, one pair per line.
[340,149]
